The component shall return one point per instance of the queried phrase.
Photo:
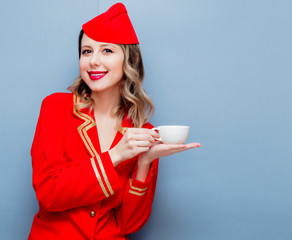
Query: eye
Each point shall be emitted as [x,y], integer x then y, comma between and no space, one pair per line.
[86,51]
[107,50]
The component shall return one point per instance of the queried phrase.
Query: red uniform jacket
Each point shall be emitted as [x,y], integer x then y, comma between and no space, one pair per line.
[81,194]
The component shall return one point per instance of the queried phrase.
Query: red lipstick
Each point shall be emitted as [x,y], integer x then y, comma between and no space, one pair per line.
[96,75]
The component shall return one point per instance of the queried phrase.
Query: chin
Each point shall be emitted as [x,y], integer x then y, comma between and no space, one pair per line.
[96,89]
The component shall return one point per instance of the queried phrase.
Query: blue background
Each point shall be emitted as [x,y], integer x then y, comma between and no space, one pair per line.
[222,67]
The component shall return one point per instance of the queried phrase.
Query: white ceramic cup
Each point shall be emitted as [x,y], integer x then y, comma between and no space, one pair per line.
[174,134]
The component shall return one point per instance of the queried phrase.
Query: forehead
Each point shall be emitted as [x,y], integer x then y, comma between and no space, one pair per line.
[87,41]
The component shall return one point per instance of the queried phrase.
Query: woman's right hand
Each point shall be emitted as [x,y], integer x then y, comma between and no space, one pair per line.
[134,142]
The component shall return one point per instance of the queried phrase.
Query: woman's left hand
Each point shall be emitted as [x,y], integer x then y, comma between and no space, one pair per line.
[158,150]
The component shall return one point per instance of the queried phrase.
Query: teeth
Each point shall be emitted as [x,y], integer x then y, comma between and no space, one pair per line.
[97,74]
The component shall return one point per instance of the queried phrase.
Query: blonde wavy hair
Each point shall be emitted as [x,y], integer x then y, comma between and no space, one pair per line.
[134,99]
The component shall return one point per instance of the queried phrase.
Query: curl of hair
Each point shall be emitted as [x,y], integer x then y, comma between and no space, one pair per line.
[134,99]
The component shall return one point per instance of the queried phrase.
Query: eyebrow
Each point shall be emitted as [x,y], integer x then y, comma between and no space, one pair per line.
[108,45]
[102,45]
[85,46]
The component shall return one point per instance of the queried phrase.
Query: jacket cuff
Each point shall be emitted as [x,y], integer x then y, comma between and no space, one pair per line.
[106,174]
[137,187]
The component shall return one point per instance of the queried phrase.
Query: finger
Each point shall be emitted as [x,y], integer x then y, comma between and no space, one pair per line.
[145,131]
[139,130]
[142,143]
[156,143]
[144,137]
[181,149]
[174,146]
[142,149]
[193,145]
[186,147]
[178,151]
[154,133]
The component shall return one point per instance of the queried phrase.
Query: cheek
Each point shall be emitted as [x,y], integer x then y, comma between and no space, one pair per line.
[82,69]
[119,71]
[81,64]
[114,65]
[120,66]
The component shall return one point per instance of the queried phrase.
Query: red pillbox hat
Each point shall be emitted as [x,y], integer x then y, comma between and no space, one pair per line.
[112,26]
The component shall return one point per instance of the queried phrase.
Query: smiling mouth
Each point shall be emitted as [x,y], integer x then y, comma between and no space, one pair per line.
[96,75]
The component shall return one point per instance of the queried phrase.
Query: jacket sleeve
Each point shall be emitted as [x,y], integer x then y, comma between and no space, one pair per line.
[62,183]
[137,202]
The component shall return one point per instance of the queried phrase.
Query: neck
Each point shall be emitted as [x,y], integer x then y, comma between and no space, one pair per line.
[106,101]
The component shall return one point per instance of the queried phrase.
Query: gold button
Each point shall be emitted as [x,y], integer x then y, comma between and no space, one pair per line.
[92,214]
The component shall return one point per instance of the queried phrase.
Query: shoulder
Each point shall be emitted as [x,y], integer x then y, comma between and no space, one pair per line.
[59,97]
[58,101]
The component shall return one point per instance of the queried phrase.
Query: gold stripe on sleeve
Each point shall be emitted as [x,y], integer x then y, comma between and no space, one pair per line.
[136,193]
[139,189]
[136,188]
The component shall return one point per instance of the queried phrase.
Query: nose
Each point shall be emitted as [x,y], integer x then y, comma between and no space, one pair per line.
[95,60]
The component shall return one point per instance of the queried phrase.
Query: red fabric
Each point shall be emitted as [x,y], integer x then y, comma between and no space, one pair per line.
[113,26]
[72,178]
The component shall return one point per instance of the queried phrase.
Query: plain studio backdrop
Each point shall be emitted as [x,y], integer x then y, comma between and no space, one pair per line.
[221,67]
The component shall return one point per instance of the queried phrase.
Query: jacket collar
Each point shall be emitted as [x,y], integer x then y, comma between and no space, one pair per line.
[87,128]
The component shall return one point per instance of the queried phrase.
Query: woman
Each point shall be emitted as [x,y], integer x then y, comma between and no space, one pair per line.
[94,156]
